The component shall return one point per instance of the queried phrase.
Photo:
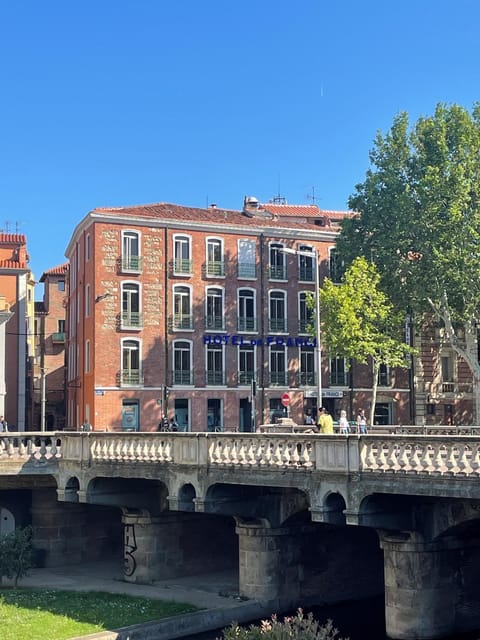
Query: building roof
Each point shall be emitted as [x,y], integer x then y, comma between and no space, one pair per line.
[12,238]
[59,270]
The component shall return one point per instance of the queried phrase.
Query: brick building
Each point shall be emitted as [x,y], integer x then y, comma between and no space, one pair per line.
[177,308]
[17,295]
[49,370]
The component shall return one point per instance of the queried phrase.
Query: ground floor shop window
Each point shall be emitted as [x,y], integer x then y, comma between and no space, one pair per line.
[214,415]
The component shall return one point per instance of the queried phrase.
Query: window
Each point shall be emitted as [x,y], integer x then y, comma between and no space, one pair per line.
[215,317]
[448,380]
[182,308]
[278,375]
[182,262]
[338,372]
[336,266]
[61,326]
[131,374]
[247,320]
[306,264]
[215,261]
[307,366]
[305,312]
[182,363]
[384,378]
[131,317]
[131,260]
[215,368]
[61,285]
[88,298]
[277,264]
[87,247]
[87,356]
[246,259]
[246,364]
[277,307]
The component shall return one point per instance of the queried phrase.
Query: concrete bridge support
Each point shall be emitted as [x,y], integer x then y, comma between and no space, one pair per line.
[420,587]
[269,563]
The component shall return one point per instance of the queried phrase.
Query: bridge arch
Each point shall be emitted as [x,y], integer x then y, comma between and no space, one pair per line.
[128,493]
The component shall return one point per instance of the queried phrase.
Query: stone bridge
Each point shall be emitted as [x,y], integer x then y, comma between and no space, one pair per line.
[309,518]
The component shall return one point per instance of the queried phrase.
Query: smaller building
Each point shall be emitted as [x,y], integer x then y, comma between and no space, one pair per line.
[49,369]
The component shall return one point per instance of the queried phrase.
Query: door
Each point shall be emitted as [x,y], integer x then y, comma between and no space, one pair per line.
[130,420]
[245,415]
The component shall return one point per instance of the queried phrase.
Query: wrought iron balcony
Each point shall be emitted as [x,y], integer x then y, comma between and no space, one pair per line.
[131,377]
[215,268]
[58,338]
[131,264]
[131,320]
[183,378]
[278,378]
[278,325]
[215,377]
[181,322]
[277,272]
[181,266]
[245,377]
[215,323]
[246,323]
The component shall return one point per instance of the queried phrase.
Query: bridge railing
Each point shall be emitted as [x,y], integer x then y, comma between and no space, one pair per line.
[33,446]
[374,453]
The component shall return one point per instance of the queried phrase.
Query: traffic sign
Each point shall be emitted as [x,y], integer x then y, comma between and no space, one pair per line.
[285,399]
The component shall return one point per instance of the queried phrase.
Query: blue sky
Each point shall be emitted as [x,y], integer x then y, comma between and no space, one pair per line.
[118,102]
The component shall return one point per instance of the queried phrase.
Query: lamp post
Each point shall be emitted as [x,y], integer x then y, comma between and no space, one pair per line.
[313,254]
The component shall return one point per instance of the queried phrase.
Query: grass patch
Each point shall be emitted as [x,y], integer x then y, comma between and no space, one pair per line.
[33,614]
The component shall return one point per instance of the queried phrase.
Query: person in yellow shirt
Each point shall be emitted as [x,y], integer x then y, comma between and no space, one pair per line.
[325,421]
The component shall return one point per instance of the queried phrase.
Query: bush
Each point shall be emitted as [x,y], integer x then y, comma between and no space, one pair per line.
[16,554]
[298,627]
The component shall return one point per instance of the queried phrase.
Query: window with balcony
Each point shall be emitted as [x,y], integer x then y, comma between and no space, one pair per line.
[336,266]
[384,376]
[131,260]
[182,363]
[131,374]
[246,364]
[338,372]
[215,316]
[215,258]
[215,366]
[182,255]
[182,308]
[278,361]
[131,316]
[306,264]
[448,374]
[305,313]
[247,259]
[247,320]
[277,312]
[277,262]
[59,336]
[307,366]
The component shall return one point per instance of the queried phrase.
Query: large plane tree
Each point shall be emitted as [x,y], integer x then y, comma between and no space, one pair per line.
[419,222]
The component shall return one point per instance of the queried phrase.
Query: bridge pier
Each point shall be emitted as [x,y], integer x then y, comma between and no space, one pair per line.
[269,563]
[420,589]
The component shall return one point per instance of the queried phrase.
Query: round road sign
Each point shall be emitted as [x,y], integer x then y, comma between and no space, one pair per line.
[285,399]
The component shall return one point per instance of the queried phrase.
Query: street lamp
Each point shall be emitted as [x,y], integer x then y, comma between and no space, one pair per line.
[313,254]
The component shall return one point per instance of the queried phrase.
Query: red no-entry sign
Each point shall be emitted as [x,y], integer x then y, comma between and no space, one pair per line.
[285,400]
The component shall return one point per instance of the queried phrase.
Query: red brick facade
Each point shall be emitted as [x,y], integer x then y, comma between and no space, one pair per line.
[175,308]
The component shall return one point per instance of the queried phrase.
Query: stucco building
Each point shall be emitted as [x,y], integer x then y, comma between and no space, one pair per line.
[201,314]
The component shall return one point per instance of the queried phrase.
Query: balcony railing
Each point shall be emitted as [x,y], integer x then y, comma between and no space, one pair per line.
[245,377]
[181,377]
[131,377]
[277,272]
[306,273]
[339,379]
[278,325]
[131,264]
[182,266]
[131,320]
[307,378]
[58,338]
[247,270]
[215,323]
[246,323]
[305,326]
[181,322]
[278,378]
[448,387]
[215,268]
[215,378]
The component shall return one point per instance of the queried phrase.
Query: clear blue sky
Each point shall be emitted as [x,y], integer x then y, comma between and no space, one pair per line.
[117,102]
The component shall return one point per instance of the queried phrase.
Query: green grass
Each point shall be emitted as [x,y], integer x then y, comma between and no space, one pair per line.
[33,614]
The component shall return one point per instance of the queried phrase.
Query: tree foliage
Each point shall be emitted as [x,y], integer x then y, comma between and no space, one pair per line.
[16,554]
[419,221]
[298,627]
[360,322]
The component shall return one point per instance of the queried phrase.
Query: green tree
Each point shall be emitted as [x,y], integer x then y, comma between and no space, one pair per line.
[419,222]
[16,554]
[298,627]
[359,322]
